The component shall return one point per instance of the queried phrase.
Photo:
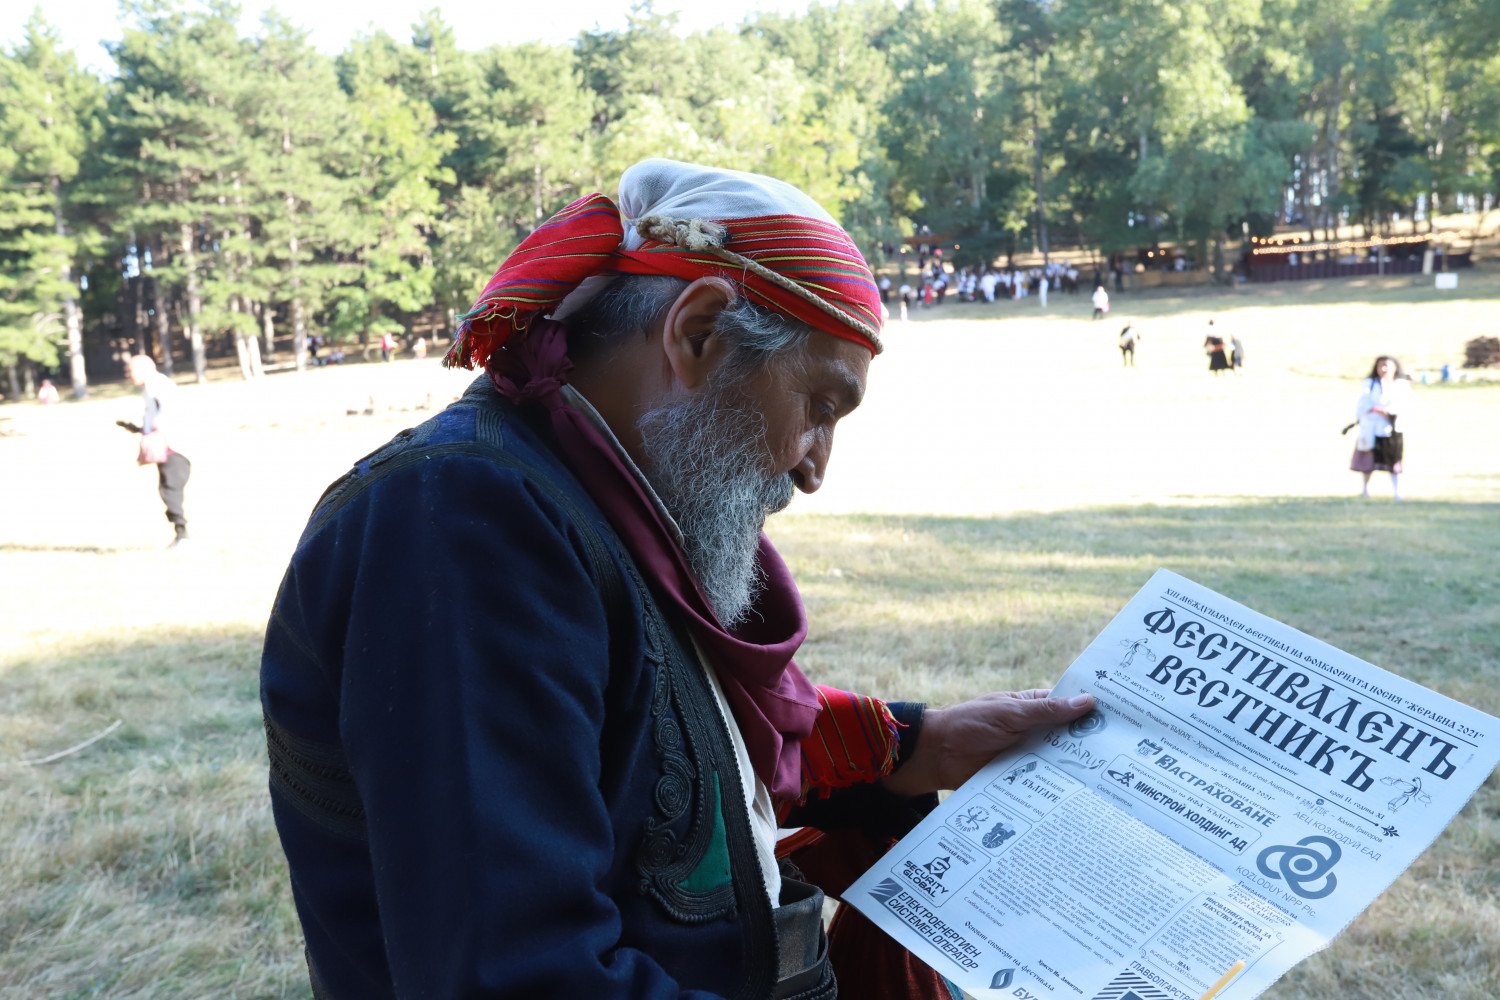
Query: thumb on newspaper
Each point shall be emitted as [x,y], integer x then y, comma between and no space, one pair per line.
[956,742]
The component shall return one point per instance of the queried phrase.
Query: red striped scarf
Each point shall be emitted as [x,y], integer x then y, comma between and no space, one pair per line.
[774,703]
[585,239]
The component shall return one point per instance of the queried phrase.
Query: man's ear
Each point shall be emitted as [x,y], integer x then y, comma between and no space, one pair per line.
[691,348]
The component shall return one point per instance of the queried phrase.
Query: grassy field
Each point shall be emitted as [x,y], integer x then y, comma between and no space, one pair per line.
[1004,490]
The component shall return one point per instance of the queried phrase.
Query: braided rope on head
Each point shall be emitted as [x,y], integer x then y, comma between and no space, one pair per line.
[690,234]
[708,237]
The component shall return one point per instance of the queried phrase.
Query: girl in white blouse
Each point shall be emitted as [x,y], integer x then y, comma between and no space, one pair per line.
[1385,393]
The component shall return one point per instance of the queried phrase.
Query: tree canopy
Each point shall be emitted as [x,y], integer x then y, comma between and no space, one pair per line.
[224,187]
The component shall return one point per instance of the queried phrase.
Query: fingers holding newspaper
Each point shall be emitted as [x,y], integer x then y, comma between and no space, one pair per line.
[956,742]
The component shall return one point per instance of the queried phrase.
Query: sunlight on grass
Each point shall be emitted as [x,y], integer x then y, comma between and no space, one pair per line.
[1003,490]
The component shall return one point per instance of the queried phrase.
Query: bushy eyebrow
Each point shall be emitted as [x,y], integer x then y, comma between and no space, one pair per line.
[847,386]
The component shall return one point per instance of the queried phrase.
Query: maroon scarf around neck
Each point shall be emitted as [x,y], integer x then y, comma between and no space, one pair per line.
[773,702]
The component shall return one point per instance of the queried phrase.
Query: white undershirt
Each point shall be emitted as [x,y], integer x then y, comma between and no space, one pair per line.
[757,797]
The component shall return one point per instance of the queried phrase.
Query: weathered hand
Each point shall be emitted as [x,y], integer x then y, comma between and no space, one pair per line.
[956,742]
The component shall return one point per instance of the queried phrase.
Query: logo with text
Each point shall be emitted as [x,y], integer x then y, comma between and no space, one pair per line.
[1148,748]
[971,818]
[928,878]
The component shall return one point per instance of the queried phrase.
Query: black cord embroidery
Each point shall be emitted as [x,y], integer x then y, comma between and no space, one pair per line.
[666,858]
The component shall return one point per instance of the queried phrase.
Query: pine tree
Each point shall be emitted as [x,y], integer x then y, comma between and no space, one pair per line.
[956,99]
[395,171]
[177,144]
[48,115]
[296,120]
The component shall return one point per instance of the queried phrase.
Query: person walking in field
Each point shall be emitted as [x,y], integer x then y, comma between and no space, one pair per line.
[532,715]
[1213,346]
[1384,393]
[1101,302]
[1128,339]
[161,440]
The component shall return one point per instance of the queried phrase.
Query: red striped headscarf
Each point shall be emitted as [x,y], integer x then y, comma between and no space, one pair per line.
[778,245]
[782,251]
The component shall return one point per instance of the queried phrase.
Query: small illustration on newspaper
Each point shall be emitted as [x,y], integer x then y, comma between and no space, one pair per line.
[1241,792]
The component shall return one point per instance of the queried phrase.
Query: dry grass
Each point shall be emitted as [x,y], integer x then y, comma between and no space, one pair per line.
[1004,490]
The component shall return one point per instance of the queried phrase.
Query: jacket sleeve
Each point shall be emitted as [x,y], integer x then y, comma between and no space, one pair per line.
[450,610]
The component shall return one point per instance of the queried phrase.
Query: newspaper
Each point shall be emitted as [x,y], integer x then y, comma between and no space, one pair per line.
[1241,793]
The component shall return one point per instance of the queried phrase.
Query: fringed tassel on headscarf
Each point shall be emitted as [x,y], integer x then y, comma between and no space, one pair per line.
[471,351]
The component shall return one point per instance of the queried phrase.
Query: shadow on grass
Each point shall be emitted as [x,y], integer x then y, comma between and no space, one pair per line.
[1410,586]
[1479,284]
[76,549]
[145,864]
[169,690]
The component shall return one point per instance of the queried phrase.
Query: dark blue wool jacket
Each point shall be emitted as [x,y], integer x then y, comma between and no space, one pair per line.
[496,769]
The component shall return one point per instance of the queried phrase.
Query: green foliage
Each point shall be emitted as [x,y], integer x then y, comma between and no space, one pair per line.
[524,132]
[300,192]
[955,100]
[254,180]
[48,116]
[395,166]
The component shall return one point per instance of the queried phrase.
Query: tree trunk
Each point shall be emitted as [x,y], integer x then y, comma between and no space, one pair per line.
[268,329]
[194,302]
[364,335]
[246,343]
[252,348]
[247,353]
[163,325]
[1036,139]
[136,328]
[72,318]
[294,279]
[299,335]
[242,356]
[1333,134]
[28,376]
[1304,198]
[14,376]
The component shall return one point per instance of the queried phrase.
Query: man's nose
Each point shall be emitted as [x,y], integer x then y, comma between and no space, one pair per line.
[809,472]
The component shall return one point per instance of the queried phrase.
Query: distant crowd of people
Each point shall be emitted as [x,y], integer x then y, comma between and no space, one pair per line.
[935,284]
[388,344]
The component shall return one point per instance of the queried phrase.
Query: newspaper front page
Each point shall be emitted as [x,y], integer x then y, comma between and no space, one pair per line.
[1241,793]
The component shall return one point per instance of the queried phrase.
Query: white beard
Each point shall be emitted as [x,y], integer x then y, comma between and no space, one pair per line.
[705,455]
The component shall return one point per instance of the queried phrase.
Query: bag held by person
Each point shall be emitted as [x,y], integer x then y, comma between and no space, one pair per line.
[153,449]
[1388,449]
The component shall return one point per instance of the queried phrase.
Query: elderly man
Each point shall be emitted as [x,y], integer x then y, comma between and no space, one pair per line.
[530,703]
